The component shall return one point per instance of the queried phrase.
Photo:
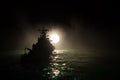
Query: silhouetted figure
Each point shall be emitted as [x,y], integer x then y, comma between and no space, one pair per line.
[41,51]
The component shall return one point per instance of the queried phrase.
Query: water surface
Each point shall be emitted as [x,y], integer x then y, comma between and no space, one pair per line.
[67,65]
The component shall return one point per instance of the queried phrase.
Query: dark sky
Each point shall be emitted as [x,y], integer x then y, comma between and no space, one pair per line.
[90,23]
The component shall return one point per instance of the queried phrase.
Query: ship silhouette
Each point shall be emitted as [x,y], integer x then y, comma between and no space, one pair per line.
[41,51]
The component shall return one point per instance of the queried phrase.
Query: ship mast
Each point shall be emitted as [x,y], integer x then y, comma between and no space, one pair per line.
[43,32]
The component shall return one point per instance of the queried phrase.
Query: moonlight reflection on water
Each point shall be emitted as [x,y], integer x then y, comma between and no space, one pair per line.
[64,64]
[56,69]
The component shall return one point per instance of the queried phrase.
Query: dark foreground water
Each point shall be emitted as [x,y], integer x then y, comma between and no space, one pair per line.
[66,65]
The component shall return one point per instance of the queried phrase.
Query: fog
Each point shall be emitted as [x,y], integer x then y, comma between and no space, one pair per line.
[76,31]
[72,36]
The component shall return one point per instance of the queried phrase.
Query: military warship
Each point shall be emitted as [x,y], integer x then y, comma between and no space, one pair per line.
[41,51]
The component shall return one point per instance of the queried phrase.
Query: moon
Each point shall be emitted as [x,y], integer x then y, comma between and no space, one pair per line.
[54,38]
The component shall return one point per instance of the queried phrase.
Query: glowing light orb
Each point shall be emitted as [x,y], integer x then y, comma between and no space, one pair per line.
[55,38]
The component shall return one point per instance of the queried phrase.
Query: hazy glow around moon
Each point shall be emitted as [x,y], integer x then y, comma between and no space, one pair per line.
[55,38]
